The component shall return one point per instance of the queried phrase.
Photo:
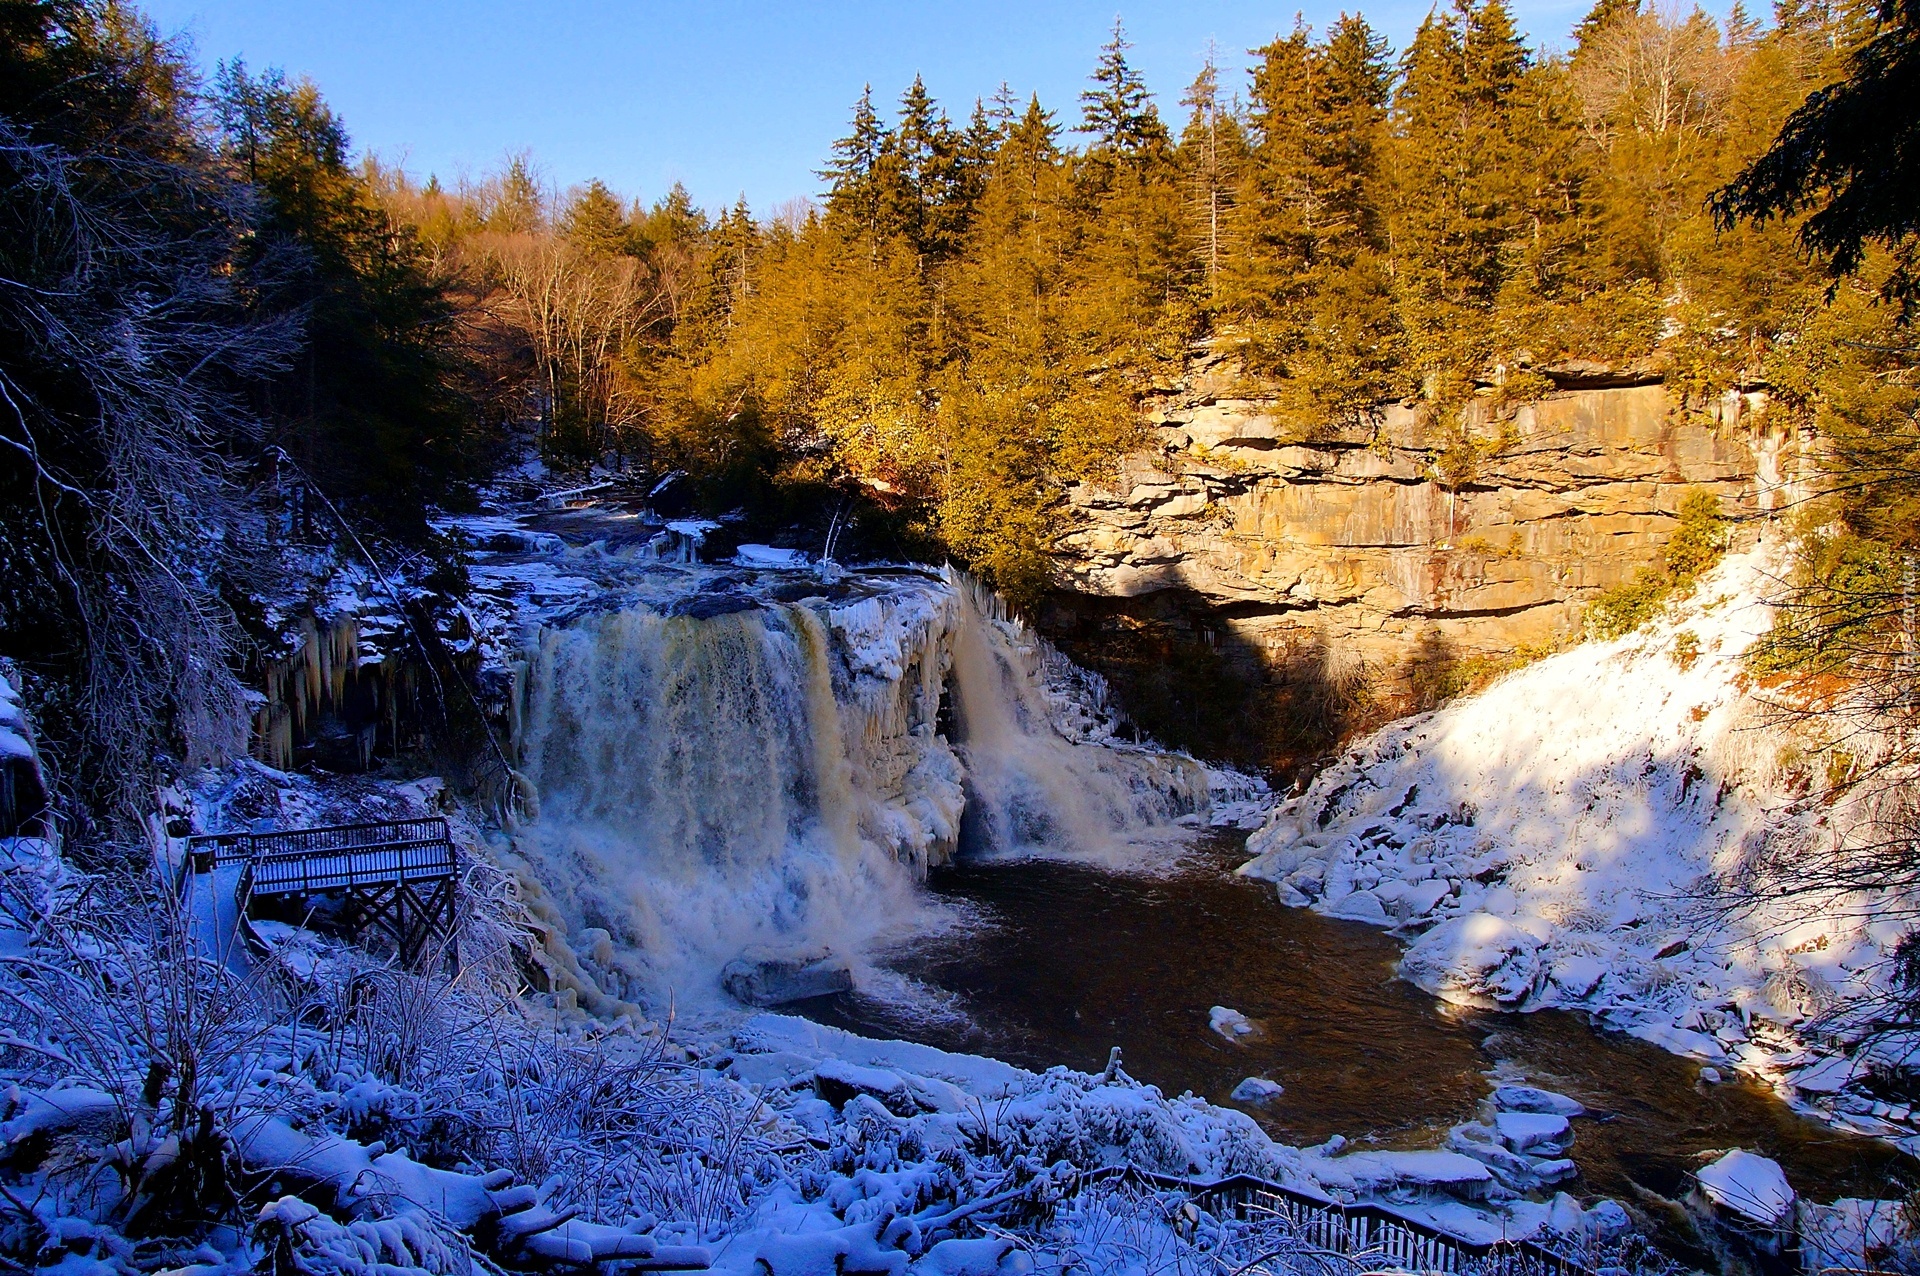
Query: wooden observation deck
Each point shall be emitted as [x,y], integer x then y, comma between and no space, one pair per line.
[394,878]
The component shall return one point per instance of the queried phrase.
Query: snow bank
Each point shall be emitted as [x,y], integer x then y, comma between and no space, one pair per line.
[1543,843]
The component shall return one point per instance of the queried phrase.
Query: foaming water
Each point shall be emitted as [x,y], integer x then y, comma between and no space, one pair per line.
[1032,789]
[727,772]
[696,797]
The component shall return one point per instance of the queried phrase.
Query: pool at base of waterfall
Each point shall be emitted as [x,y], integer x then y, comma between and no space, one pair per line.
[1060,961]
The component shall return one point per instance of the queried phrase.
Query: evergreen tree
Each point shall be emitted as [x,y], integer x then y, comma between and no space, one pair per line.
[1350,85]
[1459,198]
[1349,357]
[1211,150]
[918,176]
[1275,198]
[1849,151]
[518,207]
[1117,111]
[852,174]
[594,222]
[369,411]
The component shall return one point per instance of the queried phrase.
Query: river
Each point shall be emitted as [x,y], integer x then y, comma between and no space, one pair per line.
[1056,962]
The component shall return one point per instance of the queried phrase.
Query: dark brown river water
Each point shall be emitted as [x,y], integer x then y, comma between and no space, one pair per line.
[1064,961]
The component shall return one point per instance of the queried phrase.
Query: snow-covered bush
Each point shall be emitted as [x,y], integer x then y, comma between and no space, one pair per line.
[162,1101]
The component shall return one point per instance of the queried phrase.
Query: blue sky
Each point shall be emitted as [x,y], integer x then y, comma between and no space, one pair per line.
[725,96]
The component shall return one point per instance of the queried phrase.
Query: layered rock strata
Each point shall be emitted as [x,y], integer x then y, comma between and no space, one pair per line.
[1373,547]
[1356,531]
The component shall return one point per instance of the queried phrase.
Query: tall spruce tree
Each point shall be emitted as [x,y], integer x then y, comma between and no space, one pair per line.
[851,175]
[595,222]
[1212,151]
[1276,197]
[368,411]
[1349,357]
[1117,111]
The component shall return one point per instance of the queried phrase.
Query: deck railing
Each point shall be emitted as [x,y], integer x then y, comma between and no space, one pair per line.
[1386,1239]
[398,877]
[217,850]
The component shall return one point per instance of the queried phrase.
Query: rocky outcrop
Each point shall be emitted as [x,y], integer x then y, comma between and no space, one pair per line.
[1263,538]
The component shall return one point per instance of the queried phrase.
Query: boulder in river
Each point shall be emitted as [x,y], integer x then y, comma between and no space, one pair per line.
[1534,1133]
[1256,1090]
[1750,1187]
[1476,959]
[1527,1098]
[761,978]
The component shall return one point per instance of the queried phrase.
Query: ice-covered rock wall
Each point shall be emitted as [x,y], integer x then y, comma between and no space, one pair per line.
[766,762]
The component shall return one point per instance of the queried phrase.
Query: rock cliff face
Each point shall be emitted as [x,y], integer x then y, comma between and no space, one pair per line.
[1344,559]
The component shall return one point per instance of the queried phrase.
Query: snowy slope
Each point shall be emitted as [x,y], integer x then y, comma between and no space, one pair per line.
[1556,840]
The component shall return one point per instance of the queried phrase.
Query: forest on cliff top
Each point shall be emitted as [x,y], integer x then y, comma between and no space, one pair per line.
[228,342]
[969,319]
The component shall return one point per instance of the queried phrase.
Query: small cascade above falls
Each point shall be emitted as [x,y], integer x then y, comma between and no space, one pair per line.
[749,759]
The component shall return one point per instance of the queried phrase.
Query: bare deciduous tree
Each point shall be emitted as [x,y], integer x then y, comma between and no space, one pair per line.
[1654,71]
[128,350]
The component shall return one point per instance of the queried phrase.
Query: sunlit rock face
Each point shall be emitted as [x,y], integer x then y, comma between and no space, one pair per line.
[1350,535]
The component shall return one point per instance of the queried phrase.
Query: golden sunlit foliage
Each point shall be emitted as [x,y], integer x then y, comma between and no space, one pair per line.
[969,320]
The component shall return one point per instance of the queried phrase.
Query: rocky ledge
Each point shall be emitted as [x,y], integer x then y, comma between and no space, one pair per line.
[1352,536]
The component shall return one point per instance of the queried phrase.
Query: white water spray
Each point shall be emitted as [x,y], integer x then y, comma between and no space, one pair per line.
[1031,789]
[774,777]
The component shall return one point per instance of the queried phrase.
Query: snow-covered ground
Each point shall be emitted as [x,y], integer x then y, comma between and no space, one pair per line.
[1562,839]
[324,1113]
[371,1121]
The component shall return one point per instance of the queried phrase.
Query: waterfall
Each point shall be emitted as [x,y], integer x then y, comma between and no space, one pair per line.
[1033,787]
[730,771]
[695,797]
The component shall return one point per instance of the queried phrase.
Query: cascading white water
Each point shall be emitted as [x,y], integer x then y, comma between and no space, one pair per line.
[1030,788]
[772,777]
[696,798]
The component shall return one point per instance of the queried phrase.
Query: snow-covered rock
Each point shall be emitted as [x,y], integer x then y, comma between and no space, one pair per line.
[1526,1098]
[1749,1185]
[1450,1171]
[1256,1090]
[1853,1234]
[1477,959]
[761,978]
[1230,1023]
[1534,1133]
[769,556]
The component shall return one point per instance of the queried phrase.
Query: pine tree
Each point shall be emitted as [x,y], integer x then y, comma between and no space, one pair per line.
[1603,14]
[1005,108]
[1849,150]
[517,207]
[734,241]
[1276,199]
[1349,356]
[594,222]
[1351,82]
[1117,111]
[853,189]
[917,174]
[973,154]
[1211,151]
[368,411]
[1036,137]
[1459,177]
